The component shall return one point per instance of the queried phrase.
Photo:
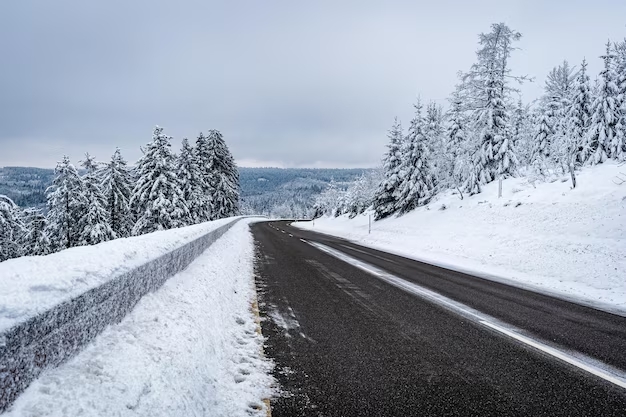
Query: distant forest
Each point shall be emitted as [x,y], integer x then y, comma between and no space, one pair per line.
[287,192]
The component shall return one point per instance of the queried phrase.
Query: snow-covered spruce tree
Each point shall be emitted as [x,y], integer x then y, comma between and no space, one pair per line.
[544,133]
[522,132]
[12,229]
[600,143]
[203,154]
[66,205]
[385,202]
[618,146]
[117,185]
[487,82]
[191,183]
[94,223]
[223,178]
[157,200]
[570,144]
[360,194]
[435,138]
[418,183]
[36,241]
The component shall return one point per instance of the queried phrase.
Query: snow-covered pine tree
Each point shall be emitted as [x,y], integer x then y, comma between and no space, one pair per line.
[157,200]
[487,81]
[191,184]
[94,224]
[223,178]
[36,240]
[579,117]
[12,229]
[618,147]
[544,133]
[600,143]
[454,155]
[66,205]
[117,185]
[385,202]
[203,155]
[418,183]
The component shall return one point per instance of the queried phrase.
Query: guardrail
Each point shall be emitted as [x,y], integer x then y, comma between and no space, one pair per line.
[52,337]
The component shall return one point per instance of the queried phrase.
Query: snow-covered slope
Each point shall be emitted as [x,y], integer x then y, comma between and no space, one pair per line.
[570,242]
[32,284]
[189,349]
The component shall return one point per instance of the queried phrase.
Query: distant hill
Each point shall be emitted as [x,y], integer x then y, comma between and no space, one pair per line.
[288,192]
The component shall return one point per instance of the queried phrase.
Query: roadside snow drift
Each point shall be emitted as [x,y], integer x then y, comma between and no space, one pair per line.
[189,349]
[33,284]
[550,237]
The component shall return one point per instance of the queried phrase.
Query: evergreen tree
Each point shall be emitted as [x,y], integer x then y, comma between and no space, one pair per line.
[66,204]
[454,148]
[117,185]
[418,184]
[37,241]
[579,115]
[385,202]
[602,140]
[223,178]
[12,229]
[541,142]
[188,173]
[618,146]
[203,155]
[157,200]
[488,85]
[94,223]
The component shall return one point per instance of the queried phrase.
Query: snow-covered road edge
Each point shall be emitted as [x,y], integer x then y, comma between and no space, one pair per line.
[190,348]
[490,272]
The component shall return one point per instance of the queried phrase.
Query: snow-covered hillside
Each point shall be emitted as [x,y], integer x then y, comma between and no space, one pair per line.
[571,242]
[192,348]
[33,284]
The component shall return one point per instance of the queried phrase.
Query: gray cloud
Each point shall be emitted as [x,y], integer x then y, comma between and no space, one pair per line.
[288,83]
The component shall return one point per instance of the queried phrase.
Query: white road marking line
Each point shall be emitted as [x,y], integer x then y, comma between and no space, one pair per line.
[290,235]
[282,231]
[588,364]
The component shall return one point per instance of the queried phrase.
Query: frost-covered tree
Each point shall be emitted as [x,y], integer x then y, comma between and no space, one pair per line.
[385,202]
[191,182]
[329,201]
[601,140]
[488,85]
[223,178]
[66,205]
[360,194]
[157,199]
[578,119]
[203,154]
[12,229]
[454,149]
[418,185]
[618,146]
[36,240]
[94,224]
[117,186]
[544,133]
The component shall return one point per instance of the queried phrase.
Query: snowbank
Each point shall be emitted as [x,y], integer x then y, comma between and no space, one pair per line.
[558,240]
[33,284]
[188,349]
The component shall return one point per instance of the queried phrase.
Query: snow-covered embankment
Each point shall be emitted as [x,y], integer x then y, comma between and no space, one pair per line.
[176,344]
[549,237]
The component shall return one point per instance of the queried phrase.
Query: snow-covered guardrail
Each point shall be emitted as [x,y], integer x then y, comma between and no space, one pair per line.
[51,337]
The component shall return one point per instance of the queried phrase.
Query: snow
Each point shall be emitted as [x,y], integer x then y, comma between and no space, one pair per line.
[548,237]
[189,349]
[33,284]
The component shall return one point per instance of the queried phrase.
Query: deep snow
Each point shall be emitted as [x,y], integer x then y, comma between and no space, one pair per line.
[549,237]
[33,284]
[189,349]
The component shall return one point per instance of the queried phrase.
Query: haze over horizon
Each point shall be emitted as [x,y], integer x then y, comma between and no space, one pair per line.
[288,84]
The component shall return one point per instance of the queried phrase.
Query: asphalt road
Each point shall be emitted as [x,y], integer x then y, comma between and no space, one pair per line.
[347,343]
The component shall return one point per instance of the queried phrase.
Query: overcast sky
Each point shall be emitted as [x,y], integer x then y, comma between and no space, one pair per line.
[289,83]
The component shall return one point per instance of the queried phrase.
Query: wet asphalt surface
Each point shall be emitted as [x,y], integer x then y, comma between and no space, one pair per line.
[346,343]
